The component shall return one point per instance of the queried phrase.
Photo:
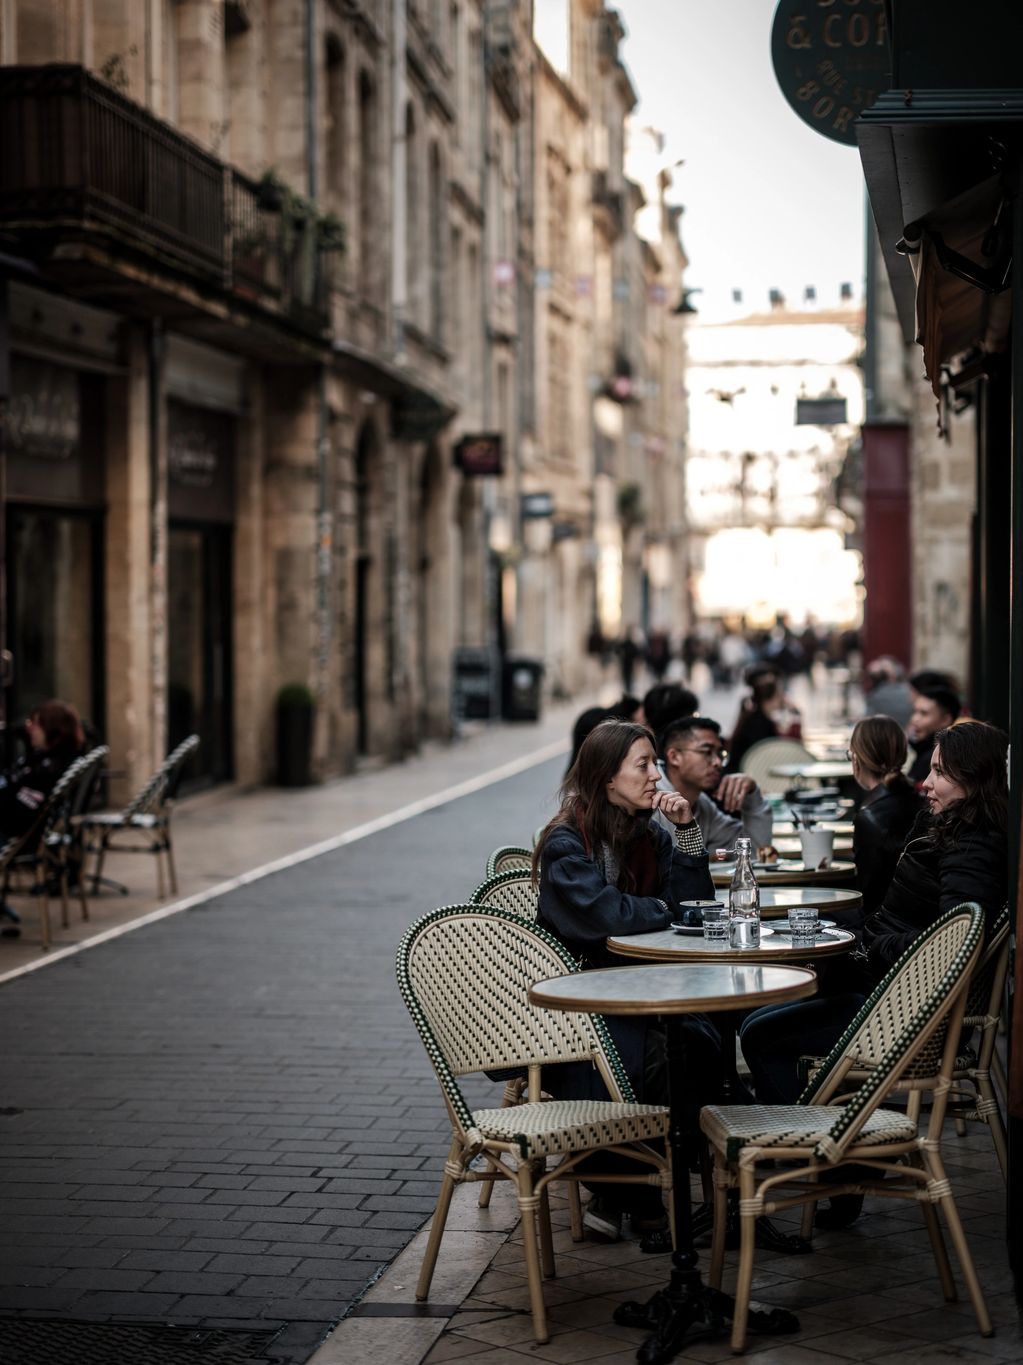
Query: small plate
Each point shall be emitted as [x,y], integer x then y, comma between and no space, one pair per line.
[820,934]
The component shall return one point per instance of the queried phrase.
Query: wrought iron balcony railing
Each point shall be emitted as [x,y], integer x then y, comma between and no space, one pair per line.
[81,161]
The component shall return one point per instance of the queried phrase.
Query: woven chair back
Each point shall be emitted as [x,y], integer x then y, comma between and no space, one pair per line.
[512,891]
[464,973]
[85,789]
[924,988]
[58,802]
[508,858]
[163,784]
[760,758]
[979,1006]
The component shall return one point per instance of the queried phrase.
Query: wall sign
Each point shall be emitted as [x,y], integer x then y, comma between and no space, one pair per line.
[537,506]
[200,463]
[53,427]
[821,412]
[478,455]
[832,59]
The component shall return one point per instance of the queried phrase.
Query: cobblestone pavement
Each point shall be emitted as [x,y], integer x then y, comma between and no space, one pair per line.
[225,1118]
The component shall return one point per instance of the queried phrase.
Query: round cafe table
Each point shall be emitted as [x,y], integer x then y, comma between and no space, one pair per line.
[777,901]
[843,829]
[788,846]
[788,873]
[823,770]
[670,992]
[776,946]
[665,945]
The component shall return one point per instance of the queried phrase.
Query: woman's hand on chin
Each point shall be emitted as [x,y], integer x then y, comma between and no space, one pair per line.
[674,807]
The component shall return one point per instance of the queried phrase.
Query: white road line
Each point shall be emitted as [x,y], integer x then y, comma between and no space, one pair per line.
[303,855]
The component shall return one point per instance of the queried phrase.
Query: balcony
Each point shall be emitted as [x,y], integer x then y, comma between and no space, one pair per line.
[97,189]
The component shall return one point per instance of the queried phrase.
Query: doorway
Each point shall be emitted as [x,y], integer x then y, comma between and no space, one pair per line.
[199,683]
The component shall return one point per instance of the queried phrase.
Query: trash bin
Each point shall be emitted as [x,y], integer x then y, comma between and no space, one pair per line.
[295,710]
[522,688]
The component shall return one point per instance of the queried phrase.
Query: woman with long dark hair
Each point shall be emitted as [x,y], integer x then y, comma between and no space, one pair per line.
[55,739]
[956,851]
[877,750]
[604,868]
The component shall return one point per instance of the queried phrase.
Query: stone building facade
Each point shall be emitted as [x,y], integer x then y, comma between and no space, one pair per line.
[248,345]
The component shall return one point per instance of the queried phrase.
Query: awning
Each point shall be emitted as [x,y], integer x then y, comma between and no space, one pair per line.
[927,159]
[960,255]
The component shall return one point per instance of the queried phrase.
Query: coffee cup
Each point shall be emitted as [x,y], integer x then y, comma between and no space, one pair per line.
[818,846]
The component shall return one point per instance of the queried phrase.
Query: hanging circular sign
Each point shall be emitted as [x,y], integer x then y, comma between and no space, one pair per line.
[832,60]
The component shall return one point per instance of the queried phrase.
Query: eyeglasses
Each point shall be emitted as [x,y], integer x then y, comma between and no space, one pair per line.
[707,751]
[849,755]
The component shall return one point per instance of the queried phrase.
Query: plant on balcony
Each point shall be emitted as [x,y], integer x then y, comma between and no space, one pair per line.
[330,233]
[297,213]
[115,72]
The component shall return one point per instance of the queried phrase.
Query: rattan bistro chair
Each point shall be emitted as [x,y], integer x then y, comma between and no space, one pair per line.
[760,758]
[56,850]
[145,820]
[512,891]
[775,1153]
[464,973]
[973,1091]
[45,851]
[507,858]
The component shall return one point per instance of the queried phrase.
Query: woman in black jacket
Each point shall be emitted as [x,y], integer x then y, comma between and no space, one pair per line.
[55,740]
[956,851]
[877,750]
[604,868]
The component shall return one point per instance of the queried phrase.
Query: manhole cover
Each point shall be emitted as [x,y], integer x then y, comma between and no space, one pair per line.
[36,1341]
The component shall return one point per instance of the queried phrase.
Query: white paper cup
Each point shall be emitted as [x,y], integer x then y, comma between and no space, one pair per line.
[818,846]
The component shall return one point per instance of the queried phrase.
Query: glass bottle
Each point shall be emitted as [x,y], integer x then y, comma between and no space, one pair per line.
[744,900]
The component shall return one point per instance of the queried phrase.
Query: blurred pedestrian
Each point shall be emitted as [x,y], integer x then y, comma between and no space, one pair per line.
[658,653]
[886,691]
[630,651]
[666,702]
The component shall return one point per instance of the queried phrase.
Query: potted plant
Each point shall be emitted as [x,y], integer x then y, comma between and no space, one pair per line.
[296,708]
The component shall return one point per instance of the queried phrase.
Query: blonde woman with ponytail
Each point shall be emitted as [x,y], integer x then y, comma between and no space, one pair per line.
[878,752]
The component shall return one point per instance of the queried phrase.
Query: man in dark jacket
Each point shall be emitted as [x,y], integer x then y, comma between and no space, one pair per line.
[935,706]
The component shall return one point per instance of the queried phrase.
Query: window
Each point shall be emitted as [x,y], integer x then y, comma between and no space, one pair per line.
[336,130]
[437,218]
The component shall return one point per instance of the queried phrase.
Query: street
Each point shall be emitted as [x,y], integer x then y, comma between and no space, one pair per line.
[225,1119]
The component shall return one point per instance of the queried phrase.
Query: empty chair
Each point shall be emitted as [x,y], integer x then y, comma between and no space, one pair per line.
[464,973]
[59,848]
[143,826]
[766,754]
[775,1154]
[508,857]
[512,890]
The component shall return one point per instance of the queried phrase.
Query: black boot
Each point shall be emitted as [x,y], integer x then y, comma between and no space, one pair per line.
[842,1212]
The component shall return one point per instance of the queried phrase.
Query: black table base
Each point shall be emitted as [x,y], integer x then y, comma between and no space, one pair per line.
[686,1308]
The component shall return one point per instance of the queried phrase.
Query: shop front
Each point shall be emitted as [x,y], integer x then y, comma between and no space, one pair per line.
[54,539]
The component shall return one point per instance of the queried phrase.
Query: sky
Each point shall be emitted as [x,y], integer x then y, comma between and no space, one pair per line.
[769,203]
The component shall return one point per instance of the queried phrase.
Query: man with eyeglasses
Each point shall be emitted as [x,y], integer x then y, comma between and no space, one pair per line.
[693,761]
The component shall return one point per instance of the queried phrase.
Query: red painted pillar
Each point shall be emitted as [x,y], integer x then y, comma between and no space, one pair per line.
[887,545]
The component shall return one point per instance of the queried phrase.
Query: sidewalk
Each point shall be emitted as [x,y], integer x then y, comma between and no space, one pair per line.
[225,838]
